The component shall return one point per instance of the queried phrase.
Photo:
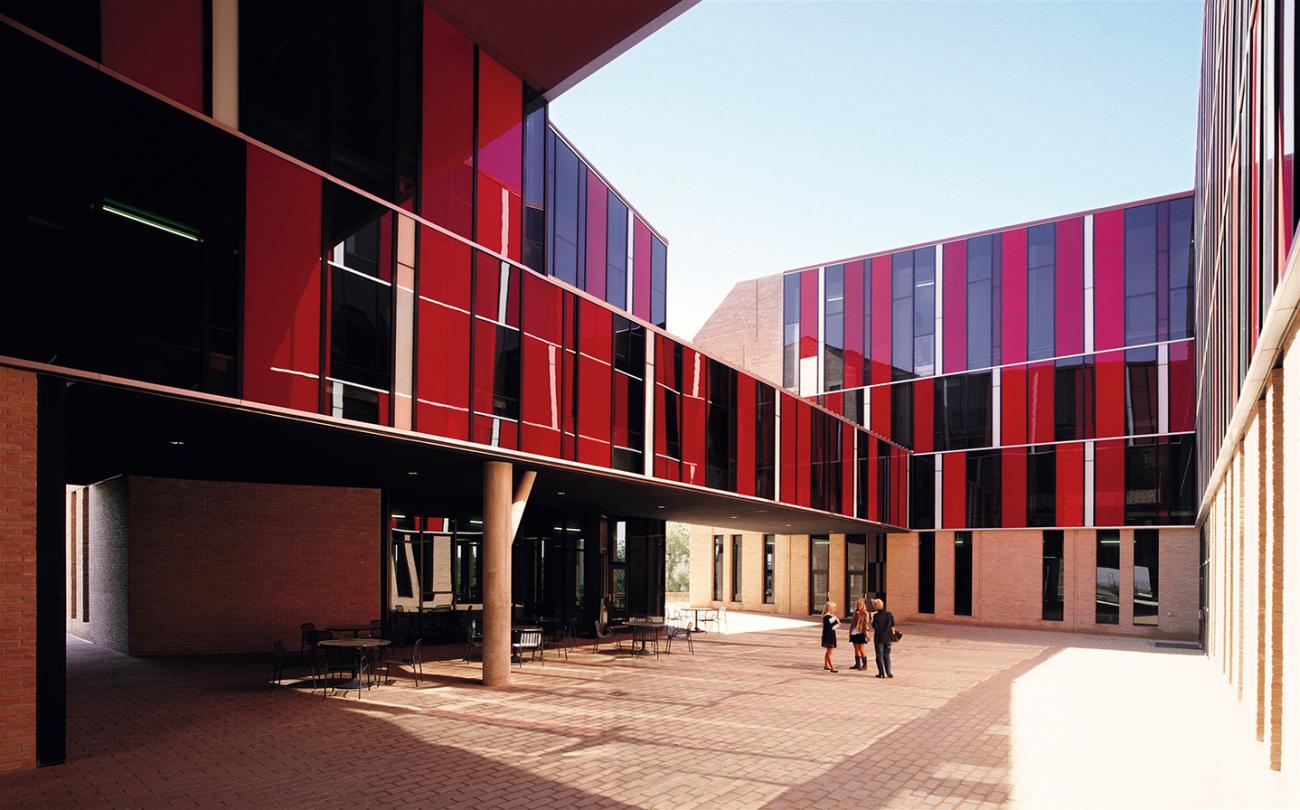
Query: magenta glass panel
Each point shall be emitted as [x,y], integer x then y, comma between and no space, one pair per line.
[597,234]
[1182,387]
[1014,296]
[853,322]
[808,303]
[1069,286]
[500,158]
[881,325]
[1108,279]
[640,269]
[159,44]
[954,306]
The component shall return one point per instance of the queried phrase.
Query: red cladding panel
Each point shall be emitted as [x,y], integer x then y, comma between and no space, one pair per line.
[158,43]
[1015,471]
[442,344]
[595,331]
[803,483]
[282,283]
[640,268]
[954,306]
[594,387]
[1110,394]
[1108,279]
[1042,403]
[543,361]
[869,482]
[1109,483]
[1182,387]
[881,320]
[1014,296]
[1015,405]
[745,400]
[447,139]
[923,415]
[833,402]
[882,409]
[1069,286]
[808,304]
[694,414]
[597,234]
[789,447]
[853,338]
[848,463]
[1069,484]
[954,490]
[500,158]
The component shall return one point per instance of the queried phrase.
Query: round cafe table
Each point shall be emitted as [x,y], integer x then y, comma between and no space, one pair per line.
[360,645]
[641,631]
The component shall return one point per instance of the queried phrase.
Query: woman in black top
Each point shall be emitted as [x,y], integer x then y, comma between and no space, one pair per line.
[882,631]
[829,622]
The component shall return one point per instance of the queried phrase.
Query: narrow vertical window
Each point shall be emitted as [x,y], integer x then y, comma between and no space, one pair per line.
[1053,575]
[962,572]
[616,253]
[819,572]
[717,568]
[876,548]
[737,543]
[790,333]
[922,494]
[984,489]
[983,289]
[902,339]
[1041,486]
[1108,576]
[764,441]
[1040,278]
[1141,391]
[834,318]
[925,574]
[923,313]
[1140,310]
[855,568]
[769,569]
[1146,577]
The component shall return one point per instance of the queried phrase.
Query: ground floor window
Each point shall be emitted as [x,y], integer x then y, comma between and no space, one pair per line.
[876,565]
[963,557]
[1108,576]
[855,568]
[819,572]
[925,574]
[717,568]
[769,568]
[1053,575]
[1146,577]
[737,543]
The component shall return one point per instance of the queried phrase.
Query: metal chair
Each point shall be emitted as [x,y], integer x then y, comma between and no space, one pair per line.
[280,656]
[720,619]
[473,639]
[679,628]
[376,628]
[529,641]
[603,634]
[306,645]
[645,635]
[415,661]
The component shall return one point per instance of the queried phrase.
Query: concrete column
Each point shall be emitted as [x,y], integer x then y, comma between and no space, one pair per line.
[225,61]
[497,485]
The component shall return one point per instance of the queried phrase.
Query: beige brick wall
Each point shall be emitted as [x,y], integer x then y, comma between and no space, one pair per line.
[745,329]
[901,568]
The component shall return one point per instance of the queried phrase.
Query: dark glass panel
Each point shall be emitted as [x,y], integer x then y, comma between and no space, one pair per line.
[1140,310]
[769,569]
[1053,575]
[855,569]
[1141,391]
[922,492]
[74,23]
[721,433]
[629,394]
[923,312]
[833,295]
[925,574]
[819,572]
[616,253]
[658,283]
[876,561]
[1107,576]
[1182,271]
[901,413]
[717,568]
[962,571]
[902,288]
[1074,399]
[1041,284]
[534,190]
[963,413]
[790,332]
[1041,486]
[567,215]
[1146,577]
[281,82]
[1141,484]
[984,489]
[983,305]
[765,441]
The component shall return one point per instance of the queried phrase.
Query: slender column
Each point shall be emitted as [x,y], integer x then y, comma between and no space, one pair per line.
[497,485]
[225,61]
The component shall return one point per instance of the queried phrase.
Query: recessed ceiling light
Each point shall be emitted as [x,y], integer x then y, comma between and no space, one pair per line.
[560,492]
[731,517]
[788,525]
[176,443]
[661,506]
[412,472]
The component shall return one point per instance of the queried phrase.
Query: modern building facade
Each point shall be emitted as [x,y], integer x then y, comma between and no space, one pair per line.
[1043,376]
[312,316]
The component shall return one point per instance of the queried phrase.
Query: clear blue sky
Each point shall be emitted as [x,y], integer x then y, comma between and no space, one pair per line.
[760,136]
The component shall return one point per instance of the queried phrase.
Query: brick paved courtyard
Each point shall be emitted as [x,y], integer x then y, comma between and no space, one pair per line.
[976,717]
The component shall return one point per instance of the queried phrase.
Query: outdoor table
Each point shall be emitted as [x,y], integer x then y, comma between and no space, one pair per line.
[360,645]
[354,629]
[640,629]
[695,626]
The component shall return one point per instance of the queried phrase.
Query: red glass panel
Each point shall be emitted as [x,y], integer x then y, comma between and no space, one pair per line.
[1108,279]
[496,289]
[1069,484]
[954,490]
[881,320]
[158,43]
[506,430]
[869,482]
[833,402]
[442,405]
[543,362]
[789,447]
[1108,501]
[848,463]
[282,283]
[954,306]
[803,482]
[595,331]
[1182,387]
[594,386]
[447,131]
[882,409]
[809,302]
[1042,402]
[500,158]
[745,400]
[1015,405]
[597,234]
[853,338]
[1014,296]
[693,417]
[640,269]
[923,419]
[1069,286]
[1110,394]
[1015,483]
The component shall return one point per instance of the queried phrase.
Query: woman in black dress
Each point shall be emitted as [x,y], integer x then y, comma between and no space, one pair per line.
[829,622]
[882,631]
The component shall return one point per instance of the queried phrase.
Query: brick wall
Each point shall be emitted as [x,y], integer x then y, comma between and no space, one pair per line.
[745,329]
[183,567]
[17,569]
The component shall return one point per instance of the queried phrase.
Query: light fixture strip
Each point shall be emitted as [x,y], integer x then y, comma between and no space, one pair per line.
[152,223]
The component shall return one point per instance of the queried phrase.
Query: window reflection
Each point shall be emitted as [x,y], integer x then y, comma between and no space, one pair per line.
[1107,576]
[1146,577]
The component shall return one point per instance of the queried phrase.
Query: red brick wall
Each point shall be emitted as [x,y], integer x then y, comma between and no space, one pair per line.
[232,567]
[17,569]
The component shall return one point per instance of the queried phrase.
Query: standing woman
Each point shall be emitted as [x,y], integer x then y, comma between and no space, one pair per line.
[829,622]
[882,626]
[858,635]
